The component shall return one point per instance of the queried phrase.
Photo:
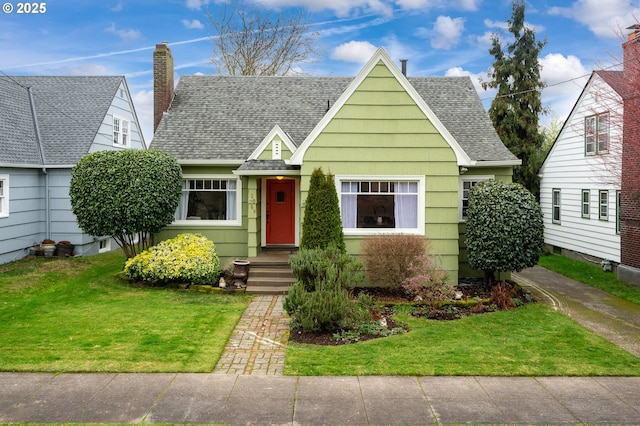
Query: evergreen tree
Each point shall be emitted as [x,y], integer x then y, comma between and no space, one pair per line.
[517,106]
[322,225]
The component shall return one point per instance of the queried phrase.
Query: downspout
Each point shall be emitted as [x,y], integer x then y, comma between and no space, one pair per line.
[47,215]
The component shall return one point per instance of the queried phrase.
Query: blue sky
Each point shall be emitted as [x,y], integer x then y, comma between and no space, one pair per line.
[438,37]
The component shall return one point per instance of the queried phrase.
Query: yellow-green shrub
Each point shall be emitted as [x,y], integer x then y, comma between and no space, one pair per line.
[187,258]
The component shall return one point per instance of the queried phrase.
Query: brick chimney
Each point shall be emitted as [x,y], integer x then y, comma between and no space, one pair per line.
[162,81]
[629,268]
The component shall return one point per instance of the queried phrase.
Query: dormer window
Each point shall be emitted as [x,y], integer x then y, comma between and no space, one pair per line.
[120,132]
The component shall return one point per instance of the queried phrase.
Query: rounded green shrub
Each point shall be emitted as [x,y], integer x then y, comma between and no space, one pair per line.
[127,194]
[187,258]
[505,230]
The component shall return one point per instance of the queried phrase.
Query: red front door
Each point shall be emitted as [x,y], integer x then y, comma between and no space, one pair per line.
[281,211]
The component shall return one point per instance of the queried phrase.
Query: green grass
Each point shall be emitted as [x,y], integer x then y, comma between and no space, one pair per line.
[75,315]
[532,340]
[592,275]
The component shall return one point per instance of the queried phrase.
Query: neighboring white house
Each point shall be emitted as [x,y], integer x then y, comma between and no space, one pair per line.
[581,176]
[46,125]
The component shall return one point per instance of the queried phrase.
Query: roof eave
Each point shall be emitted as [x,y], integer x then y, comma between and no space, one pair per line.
[267,172]
[497,163]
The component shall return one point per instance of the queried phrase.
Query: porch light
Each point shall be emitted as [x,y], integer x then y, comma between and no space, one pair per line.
[279,177]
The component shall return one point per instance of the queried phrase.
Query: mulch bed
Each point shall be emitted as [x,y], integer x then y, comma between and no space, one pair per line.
[470,289]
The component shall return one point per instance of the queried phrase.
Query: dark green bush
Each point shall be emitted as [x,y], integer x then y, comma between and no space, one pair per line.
[504,228]
[322,225]
[127,194]
[312,265]
[319,300]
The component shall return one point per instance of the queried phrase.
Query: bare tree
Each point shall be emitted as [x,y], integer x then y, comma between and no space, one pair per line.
[249,40]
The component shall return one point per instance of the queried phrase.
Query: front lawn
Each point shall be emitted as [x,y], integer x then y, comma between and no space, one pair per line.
[591,274]
[75,315]
[532,340]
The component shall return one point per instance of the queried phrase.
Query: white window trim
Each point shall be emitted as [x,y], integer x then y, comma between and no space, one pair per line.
[107,245]
[557,221]
[596,135]
[586,204]
[605,217]
[201,223]
[4,201]
[398,178]
[123,123]
[469,178]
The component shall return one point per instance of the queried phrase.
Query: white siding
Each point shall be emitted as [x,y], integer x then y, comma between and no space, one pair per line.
[568,168]
[121,107]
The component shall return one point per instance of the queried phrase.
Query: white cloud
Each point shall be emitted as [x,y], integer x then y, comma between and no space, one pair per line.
[193,24]
[469,5]
[117,8]
[125,35]
[196,4]
[354,51]
[603,20]
[475,79]
[565,78]
[485,41]
[447,32]
[89,69]
[143,101]
[342,8]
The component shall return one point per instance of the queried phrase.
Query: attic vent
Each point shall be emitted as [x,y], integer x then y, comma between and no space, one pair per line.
[276,150]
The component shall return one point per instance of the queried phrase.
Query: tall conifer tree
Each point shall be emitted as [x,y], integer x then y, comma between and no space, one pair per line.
[516,109]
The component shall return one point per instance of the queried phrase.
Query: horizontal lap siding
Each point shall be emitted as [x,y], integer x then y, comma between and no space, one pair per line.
[230,241]
[25,225]
[568,168]
[381,131]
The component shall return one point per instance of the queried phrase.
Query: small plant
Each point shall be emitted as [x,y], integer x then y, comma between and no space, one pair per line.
[501,296]
[387,258]
[427,282]
[187,258]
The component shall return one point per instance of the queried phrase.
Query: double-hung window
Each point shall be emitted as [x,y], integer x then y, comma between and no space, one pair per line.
[586,196]
[603,211]
[210,198]
[465,187]
[4,195]
[555,206]
[120,131]
[596,134]
[372,205]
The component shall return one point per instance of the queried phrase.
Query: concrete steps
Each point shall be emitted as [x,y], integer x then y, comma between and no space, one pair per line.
[270,272]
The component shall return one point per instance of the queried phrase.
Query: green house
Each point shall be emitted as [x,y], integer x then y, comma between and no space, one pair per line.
[404,153]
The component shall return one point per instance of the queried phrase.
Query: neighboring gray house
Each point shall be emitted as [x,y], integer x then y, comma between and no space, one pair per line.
[46,125]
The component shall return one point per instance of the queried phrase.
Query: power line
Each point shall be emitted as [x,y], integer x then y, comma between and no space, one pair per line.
[552,85]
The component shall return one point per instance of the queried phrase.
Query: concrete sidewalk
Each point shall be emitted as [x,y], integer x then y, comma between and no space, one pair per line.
[277,400]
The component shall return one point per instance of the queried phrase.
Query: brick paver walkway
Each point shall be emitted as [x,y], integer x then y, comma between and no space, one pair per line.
[258,343]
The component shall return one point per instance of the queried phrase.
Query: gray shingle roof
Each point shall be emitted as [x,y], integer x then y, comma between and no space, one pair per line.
[69,111]
[223,117]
